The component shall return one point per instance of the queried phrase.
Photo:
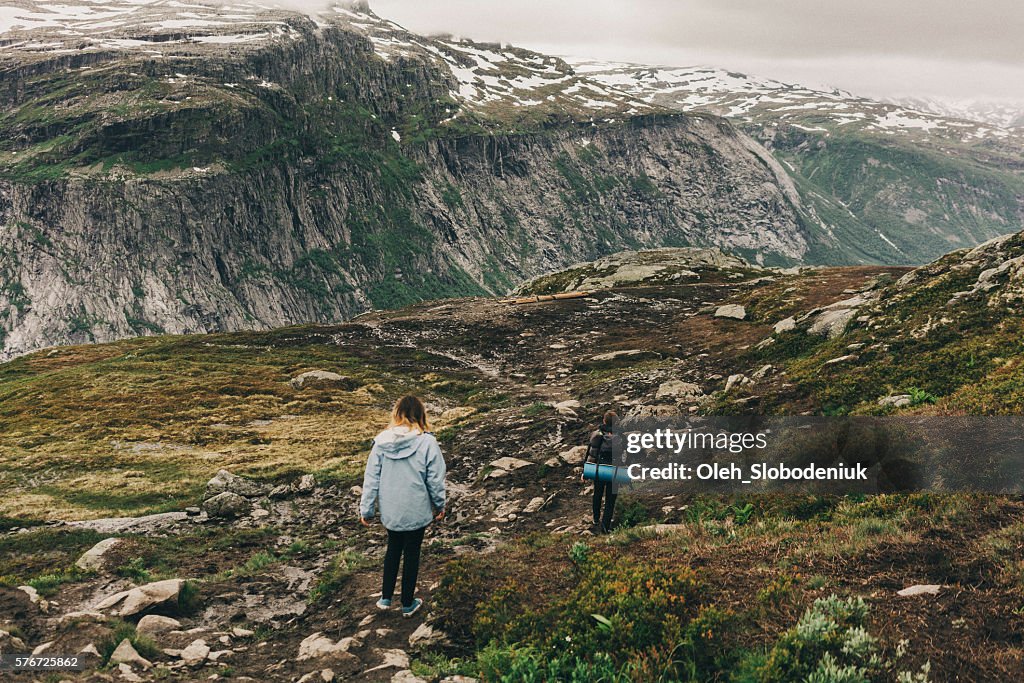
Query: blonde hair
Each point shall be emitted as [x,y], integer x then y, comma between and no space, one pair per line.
[410,412]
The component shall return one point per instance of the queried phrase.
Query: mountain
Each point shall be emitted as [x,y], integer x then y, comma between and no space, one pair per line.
[123,444]
[186,167]
[891,182]
[998,113]
[183,167]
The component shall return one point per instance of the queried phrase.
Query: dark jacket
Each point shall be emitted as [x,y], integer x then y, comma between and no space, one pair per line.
[600,448]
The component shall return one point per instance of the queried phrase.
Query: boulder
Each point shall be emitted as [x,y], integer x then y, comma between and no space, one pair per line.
[787,325]
[832,323]
[92,560]
[226,505]
[154,624]
[566,408]
[142,598]
[679,390]
[732,311]
[900,401]
[226,482]
[306,484]
[317,645]
[127,674]
[393,659]
[125,653]
[534,505]
[323,378]
[425,635]
[575,455]
[196,653]
[736,381]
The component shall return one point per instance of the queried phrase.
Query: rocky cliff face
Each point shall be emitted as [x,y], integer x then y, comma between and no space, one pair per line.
[236,171]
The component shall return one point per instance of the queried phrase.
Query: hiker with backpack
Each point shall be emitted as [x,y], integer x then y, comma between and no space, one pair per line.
[405,481]
[600,450]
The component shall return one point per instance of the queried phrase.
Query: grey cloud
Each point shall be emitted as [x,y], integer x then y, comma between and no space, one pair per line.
[959,48]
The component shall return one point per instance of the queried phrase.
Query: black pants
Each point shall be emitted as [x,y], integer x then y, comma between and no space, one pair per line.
[607,490]
[401,543]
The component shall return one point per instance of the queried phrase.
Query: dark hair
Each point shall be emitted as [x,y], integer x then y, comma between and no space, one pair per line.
[609,420]
[410,412]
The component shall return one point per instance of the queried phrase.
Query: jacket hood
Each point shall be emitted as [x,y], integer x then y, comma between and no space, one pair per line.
[398,443]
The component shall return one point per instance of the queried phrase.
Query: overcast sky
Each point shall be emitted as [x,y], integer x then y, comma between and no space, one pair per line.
[948,48]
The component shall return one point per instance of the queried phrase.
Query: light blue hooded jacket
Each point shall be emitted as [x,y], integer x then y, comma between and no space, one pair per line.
[404,478]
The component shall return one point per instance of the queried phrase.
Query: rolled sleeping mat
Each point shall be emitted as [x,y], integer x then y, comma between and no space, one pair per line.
[606,473]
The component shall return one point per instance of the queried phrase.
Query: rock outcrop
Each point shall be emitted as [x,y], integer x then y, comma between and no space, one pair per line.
[309,173]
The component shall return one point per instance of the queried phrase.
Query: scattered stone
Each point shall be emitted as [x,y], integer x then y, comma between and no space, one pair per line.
[260,513]
[679,390]
[646,412]
[227,505]
[306,484]
[761,372]
[125,653]
[317,645]
[510,464]
[566,408]
[900,401]
[92,560]
[196,653]
[323,377]
[737,381]
[87,616]
[842,359]
[425,636]
[219,655]
[147,524]
[154,624]
[832,323]
[575,455]
[366,621]
[407,676]
[10,643]
[226,482]
[553,462]
[733,311]
[625,357]
[458,678]
[139,599]
[127,673]
[238,632]
[327,676]
[393,659]
[280,491]
[787,325]
[929,589]
[193,511]
[534,506]
[35,598]
[455,414]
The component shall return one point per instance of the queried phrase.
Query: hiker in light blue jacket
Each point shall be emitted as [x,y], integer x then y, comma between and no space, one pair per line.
[405,479]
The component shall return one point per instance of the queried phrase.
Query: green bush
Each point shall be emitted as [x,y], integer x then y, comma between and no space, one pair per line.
[828,645]
[640,605]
